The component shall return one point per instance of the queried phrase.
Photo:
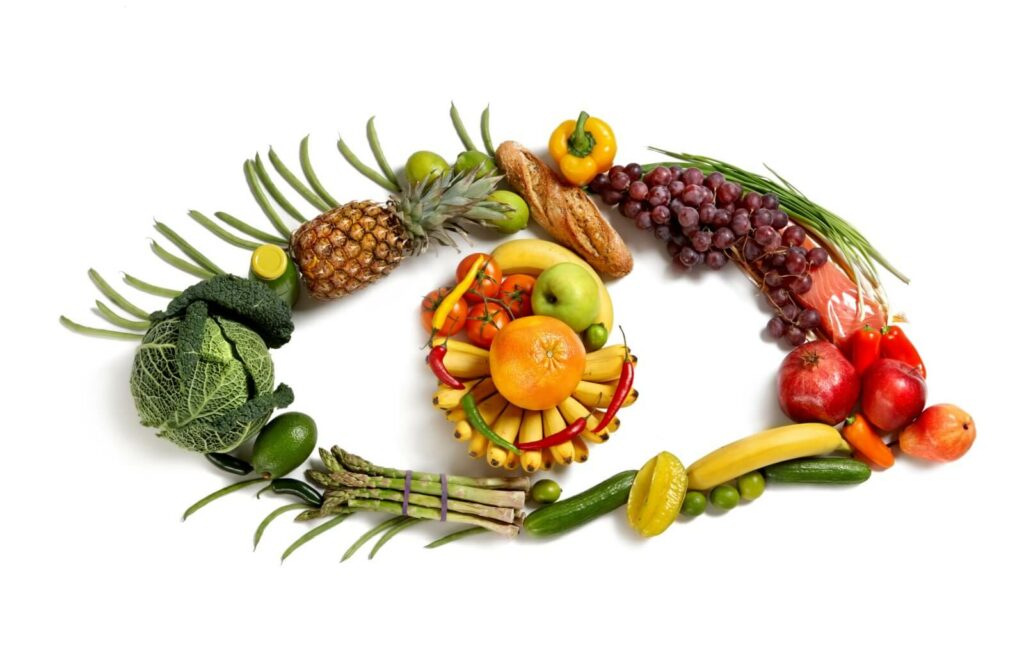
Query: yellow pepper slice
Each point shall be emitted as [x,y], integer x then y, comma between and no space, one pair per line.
[441,314]
[657,494]
[582,148]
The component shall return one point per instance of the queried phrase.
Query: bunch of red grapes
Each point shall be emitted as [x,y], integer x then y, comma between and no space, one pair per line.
[705,219]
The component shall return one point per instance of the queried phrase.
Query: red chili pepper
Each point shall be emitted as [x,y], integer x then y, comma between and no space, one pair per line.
[865,348]
[570,432]
[436,361]
[896,345]
[618,397]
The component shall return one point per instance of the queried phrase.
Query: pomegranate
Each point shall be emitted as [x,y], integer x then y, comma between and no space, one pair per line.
[942,433]
[817,383]
[893,394]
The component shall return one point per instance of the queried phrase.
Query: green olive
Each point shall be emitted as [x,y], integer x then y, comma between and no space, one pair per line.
[515,220]
[751,485]
[468,160]
[694,503]
[594,337]
[423,165]
[545,491]
[283,444]
[725,497]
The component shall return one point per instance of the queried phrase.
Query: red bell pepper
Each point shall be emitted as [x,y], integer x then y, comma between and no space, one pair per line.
[896,345]
[865,348]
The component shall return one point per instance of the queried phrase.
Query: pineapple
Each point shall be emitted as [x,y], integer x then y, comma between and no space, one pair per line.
[354,244]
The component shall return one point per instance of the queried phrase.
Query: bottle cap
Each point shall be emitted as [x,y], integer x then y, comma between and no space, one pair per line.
[269,262]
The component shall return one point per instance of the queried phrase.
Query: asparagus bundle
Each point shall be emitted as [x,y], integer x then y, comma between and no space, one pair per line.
[351,483]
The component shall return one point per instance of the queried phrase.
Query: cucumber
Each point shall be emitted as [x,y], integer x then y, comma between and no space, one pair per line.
[582,508]
[818,470]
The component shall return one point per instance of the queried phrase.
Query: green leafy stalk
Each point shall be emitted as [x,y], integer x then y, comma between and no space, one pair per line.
[191,252]
[118,321]
[460,128]
[115,298]
[370,534]
[258,535]
[313,534]
[220,232]
[250,230]
[395,529]
[349,461]
[514,499]
[275,193]
[295,183]
[455,536]
[155,290]
[378,153]
[261,199]
[217,494]
[337,499]
[179,263]
[314,181]
[432,514]
[365,170]
[102,333]
[485,130]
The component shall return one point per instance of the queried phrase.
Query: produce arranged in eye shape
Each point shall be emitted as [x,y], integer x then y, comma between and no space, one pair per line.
[518,337]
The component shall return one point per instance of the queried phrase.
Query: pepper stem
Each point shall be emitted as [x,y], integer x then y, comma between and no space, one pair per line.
[581,142]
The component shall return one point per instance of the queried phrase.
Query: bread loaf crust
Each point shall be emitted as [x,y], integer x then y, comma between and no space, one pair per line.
[565,211]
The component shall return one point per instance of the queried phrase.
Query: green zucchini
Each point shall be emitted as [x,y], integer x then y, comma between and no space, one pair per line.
[582,508]
[818,470]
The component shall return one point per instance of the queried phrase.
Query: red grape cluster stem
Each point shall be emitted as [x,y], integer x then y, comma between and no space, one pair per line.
[705,220]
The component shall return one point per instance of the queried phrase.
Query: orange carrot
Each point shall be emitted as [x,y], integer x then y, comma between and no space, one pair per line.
[861,435]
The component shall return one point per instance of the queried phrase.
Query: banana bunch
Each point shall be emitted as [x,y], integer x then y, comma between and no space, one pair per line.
[471,364]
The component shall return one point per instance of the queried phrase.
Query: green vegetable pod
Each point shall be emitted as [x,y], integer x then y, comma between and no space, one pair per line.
[824,470]
[580,509]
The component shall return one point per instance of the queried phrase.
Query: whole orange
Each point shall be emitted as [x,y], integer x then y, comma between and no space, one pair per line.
[537,362]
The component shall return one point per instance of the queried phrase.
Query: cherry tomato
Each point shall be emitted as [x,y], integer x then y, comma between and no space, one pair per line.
[484,321]
[515,293]
[456,318]
[488,279]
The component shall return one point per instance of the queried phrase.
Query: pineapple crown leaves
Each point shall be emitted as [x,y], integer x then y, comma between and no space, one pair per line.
[432,210]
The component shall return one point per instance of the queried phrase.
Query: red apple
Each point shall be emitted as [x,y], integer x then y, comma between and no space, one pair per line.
[941,433]
[893,394]
[816,383]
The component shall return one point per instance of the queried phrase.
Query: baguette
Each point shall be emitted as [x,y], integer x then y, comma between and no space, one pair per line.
[566,212]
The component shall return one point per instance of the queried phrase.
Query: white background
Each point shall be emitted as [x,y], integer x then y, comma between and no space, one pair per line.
[906,121]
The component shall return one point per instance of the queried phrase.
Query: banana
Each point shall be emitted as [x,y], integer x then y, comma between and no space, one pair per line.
[532,429]
[461,346]
[447,398]
[533,256]
[768,447]
[597,395]
[580,450]
[477,445]
[507,427]
[618,352]
[604,369]
[572,409]
[613,426]
[553,423]
[511,461]
[467,364]
[546,460]
[463,431]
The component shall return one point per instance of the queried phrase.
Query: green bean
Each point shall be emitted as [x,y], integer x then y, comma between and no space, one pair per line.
[395,529]
[485,130]
[378,153]
[275,193]
[179,263]
[191,252]
[369,535]
[314,181]
[118,321]
[455,536]
[219,231]
[93,331]
[314,533]
[261,199]
[364,169]
[295,183]
[270,518]
[239,225]
[460,128]
[155,290]
[115,298]
[217,494]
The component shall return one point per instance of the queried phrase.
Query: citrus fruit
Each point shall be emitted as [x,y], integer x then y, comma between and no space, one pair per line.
[470,159]
[517,219]
[657,494]
[422,165]
[537,362]
[283,444]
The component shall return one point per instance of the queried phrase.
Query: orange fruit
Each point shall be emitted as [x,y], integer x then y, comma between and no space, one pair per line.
[537,362]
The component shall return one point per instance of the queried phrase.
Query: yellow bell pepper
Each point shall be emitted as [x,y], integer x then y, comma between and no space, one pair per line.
[583,148]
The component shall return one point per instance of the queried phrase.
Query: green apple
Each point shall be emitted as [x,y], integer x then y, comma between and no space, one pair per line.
[423,165]
[470,159]
[566,292]
[515,220]
[594,337]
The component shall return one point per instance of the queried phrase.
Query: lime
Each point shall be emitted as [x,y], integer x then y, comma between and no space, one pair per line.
[594,337]
[283,444]
[467,161]
[545,491]
[516,219]
[657,494]
[423,165]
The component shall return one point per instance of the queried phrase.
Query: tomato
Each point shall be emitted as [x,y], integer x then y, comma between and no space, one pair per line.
[515,293]
[456,318]
[484,321]
[488,282]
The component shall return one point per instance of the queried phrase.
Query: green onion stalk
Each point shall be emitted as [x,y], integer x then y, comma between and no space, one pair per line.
[845,244]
